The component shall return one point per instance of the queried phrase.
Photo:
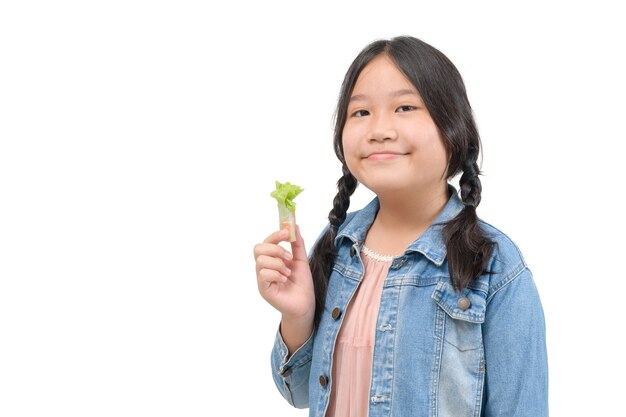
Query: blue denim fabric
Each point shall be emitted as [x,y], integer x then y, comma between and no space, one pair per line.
[437,352]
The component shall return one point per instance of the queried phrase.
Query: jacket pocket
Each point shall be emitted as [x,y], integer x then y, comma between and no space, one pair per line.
[459,371]
[465,313]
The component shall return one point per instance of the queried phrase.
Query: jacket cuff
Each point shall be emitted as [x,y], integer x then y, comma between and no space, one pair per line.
[285,364]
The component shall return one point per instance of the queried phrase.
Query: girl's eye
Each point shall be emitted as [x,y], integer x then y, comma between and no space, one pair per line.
[360,113]
[405,108]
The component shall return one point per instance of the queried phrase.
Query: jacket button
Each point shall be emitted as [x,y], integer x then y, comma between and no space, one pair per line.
[336,313]
[323,380]
[464,303]
[352,251]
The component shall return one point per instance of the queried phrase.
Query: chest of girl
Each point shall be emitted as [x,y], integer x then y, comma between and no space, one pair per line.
[428,350]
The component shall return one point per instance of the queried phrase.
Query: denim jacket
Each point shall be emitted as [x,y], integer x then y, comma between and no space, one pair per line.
[438,352]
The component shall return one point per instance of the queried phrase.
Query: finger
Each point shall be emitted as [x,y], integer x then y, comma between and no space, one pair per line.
[268,276]
[297,247]
[271,249]
[272,263]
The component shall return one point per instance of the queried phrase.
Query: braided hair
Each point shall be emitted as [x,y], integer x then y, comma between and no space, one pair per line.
[324,253]
[441,87]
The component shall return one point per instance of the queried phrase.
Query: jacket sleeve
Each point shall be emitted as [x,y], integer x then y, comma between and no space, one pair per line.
[514,337]
[291,374]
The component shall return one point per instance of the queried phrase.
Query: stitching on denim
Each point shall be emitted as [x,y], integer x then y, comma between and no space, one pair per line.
[469,315]
[438,330]
[480,382]
[393,351]
[517,271]
[302,361]
[458,347]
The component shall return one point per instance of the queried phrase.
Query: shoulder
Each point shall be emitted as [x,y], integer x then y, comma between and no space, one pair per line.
[342,229]
[349,218]
[506,262]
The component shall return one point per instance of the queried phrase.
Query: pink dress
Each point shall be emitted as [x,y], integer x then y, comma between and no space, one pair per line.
[354,348]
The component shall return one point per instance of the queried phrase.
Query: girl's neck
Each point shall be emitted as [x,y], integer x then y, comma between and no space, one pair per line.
[402,219]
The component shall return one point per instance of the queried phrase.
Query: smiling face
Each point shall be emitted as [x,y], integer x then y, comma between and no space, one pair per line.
[390,142]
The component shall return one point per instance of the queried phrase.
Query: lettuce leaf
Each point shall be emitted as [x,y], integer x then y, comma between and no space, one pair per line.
[285,193]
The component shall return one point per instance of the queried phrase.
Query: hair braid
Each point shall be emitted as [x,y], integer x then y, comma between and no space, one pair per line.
[467,245]
[345,188]
[325,253]
[470,183]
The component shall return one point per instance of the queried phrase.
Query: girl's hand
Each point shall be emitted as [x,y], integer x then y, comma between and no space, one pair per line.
[284,278]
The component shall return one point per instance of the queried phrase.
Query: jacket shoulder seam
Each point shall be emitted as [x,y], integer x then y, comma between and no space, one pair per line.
[516,272]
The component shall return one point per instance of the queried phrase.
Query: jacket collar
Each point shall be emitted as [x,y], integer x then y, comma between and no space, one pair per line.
[430,243]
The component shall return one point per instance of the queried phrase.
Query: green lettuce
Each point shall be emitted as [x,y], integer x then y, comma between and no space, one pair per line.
[284,194]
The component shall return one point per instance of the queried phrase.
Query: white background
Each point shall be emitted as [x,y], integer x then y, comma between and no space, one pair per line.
[140,141]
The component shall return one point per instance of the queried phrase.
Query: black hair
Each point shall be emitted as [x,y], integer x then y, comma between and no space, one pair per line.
[441,87]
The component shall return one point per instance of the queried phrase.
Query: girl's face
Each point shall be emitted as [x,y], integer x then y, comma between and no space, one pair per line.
[390,142]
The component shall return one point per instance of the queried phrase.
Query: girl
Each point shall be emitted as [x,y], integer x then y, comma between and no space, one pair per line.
[411,306]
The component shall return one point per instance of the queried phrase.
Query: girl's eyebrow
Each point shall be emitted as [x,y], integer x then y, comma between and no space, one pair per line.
[397,93]
[404,92]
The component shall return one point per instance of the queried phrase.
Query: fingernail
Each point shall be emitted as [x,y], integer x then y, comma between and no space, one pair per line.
[288,271]
[288,256]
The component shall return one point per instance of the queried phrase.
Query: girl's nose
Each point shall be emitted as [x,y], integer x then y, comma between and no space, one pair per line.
[382,129]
